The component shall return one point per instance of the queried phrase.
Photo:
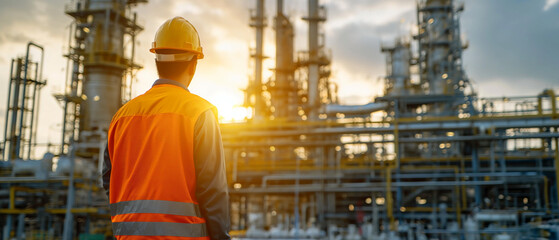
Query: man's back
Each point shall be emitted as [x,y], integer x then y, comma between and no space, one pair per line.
[154,134]
[153,182]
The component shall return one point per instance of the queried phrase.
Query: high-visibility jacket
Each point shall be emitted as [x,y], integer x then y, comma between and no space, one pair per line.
[153,179]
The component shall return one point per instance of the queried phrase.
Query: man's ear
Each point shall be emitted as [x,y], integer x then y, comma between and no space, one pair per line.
[192,67]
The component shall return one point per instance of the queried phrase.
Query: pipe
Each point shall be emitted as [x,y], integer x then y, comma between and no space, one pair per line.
[103,139]
[379,127]
[475,168]
[68,82]
[551,94]
[401,140]
[364,168]
[557,166]
[427,123]
[31,179]
[389,200]
[256,87]
[314,77]
[20,226]
[16,211]
[355,109]
[8,110]
[33,107]
[19,138]
[266,178]
[546,193]
[356,187]
[12,204]
[68,218]
[133,52]
[15,108]
[280,93]
[497,216]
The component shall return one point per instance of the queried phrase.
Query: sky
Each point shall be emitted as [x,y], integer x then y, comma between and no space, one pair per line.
[513,46]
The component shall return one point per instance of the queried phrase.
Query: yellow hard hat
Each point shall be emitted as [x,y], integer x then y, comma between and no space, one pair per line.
[179,35]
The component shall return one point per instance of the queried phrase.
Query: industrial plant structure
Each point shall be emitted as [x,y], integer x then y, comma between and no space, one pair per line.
[428,160]
[37,202]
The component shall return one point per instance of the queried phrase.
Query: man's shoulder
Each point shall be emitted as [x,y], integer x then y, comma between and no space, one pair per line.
[169,101]
[199,100]
[199,105]
[125,108]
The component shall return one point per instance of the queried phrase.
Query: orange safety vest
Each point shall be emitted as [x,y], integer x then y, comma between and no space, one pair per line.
[153,179]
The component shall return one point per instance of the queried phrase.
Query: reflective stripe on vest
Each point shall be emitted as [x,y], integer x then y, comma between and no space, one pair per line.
[155,206]
[160,229]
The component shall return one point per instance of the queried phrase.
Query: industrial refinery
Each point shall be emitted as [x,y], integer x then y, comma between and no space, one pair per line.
[428,159]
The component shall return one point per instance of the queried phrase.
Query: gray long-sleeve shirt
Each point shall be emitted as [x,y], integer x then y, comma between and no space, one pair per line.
[211,182]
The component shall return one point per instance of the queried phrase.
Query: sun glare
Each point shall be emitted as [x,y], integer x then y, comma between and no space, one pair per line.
[229,112]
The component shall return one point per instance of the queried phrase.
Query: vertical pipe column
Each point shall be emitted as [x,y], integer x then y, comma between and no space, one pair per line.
[38,84]
[22,113]
[279,93]
[23,97]
[557,167]
[8,227]
[389,199]
[258,58]
[12,152]
[313,96]
[475,169]
[282,95]
[133,51]
[33,107]
[8,111]
[68,217]
[20,226]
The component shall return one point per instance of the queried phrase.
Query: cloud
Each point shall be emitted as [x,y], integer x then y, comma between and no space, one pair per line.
[515,44]
[549,4]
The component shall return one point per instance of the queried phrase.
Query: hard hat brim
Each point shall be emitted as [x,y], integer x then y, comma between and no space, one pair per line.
[199,54]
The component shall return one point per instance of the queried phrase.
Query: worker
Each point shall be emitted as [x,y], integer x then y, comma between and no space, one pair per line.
[164,164]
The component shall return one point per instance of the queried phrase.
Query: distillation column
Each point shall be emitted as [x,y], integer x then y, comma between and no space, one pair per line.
[101,27]
[398,61]
[255,89]
[439,45]
[102,71]
[314,48]
[282,96]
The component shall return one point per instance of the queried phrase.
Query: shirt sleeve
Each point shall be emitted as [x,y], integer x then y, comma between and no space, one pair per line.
[107,166]
[211,182]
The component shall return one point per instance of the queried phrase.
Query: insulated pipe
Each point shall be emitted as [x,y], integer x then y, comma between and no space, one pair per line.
[355,109]
[265,179]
